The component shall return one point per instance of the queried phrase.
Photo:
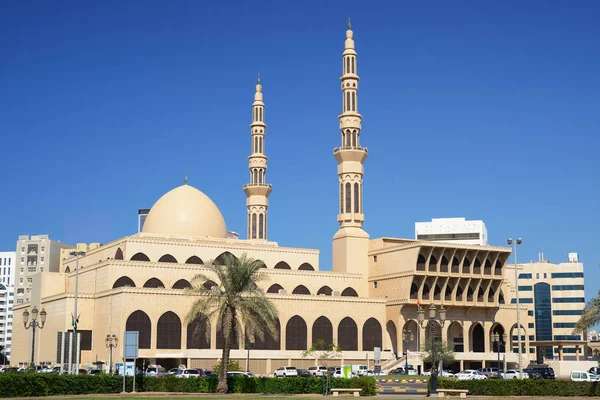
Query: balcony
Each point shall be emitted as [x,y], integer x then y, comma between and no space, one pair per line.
[338,149]
[487,271]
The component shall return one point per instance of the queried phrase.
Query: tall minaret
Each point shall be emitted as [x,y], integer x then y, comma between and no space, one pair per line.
[351,242]
[257,191]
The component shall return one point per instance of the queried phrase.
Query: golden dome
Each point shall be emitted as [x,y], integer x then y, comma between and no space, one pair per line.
[185,211]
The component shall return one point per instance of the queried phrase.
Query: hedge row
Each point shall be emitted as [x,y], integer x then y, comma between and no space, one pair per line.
[33,384]
[525,387]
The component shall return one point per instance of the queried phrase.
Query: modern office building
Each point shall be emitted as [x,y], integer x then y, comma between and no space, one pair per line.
[7,297]
[555,299]
[452,230]
[7,268]
[35,253]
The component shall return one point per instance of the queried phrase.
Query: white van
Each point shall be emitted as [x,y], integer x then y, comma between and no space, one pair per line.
[583,376]
[359,370]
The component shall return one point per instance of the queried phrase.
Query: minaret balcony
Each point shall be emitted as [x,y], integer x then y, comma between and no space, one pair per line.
[358,154]
[260,189]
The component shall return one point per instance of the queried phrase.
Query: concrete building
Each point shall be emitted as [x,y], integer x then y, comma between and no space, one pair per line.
[371,295]
[452,230]
[7,268]
[7,296]
[36,253]
[555,299]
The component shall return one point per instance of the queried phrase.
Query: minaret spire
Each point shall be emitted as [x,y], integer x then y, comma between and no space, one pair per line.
[257,191]
[351,242]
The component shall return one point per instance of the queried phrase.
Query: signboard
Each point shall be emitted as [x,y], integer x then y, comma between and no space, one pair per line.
[131,344]
[377,354]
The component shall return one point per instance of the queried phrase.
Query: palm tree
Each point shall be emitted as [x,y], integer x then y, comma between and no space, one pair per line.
[235,302]
[590,316]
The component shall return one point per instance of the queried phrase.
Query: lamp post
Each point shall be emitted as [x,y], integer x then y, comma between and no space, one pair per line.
[499,340]
[432,320]
[249,345]
[407,336]
[111,342]
[33,324]
[515,243]
[76,253]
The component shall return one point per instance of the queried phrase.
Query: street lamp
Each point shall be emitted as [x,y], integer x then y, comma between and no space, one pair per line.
[33,324]
[432,320]
[249,345]
[515,243]
[75,317]
[407,336]
[111,342]
[499,340]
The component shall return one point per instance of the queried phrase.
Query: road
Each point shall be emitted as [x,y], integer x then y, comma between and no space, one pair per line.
[403,386]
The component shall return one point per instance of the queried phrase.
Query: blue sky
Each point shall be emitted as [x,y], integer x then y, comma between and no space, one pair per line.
[487,110]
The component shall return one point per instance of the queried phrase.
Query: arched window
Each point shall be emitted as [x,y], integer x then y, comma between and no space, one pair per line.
[167,258]
[341,198]
[119,254]
[414,291]
[253,226]
[347,101]
[322,329]
[260,226]
[254,176]
[372,334]
[224,257]
[282,265]
[168,331]
[348,139]
[353,63]
[448,293]
[301,289]
[274,288]
[356,205]
[140,321]
[261,145]
[296,334]
[325,290]
[208,285]
[67,270]
[426,290]
[459,293]
[269,342]
[182,284]
[348,197]
[501,298]
[349,292]
[140,257]
[154,283]
[348,334]
[262,117]
[260,263]
[477,339]
[353,138]
[421,262]
[353,101]
[194,260]
[436,292]
[432,263]
[198,333]
[123,281]
[306,267]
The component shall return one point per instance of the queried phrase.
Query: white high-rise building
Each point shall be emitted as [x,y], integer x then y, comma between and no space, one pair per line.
[452,230]
[7,298]
[7,268]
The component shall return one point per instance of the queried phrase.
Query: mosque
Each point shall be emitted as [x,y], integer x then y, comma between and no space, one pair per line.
[369,300]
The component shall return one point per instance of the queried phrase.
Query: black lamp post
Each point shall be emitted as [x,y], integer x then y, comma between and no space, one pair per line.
[500,340]
[33,324]
[407,336]
[249,345]
[111,342]
[432,320]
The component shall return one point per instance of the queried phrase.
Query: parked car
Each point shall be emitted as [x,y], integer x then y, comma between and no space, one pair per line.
[489,372]
[583,376]
[173,371]
[240,373]
[187,373]
[283,372]
[470,374]
[337,372]
[94,372]
[543,370]
[304,373]
[594,370]
[156,370]
[444,373]
[317,371]
[514,374]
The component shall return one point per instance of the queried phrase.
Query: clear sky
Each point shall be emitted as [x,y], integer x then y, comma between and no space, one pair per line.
[487,110]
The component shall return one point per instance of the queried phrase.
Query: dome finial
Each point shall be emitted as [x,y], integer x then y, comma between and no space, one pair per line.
[349,24]
[185,180]
[258,79]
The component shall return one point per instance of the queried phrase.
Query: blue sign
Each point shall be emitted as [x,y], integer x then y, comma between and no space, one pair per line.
[131,344]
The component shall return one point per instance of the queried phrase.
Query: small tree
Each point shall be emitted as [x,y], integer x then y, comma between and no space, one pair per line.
[323,353]
[438,353]
[232,365]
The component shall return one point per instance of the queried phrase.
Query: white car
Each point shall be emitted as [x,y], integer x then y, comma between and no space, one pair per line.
[582,376]
[317,371]
[469,375]
[187,373]
[283,372]
[514,374]
[337,373]
[240,373]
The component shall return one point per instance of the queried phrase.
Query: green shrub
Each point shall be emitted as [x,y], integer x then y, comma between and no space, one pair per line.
[34,384]
[525,387]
